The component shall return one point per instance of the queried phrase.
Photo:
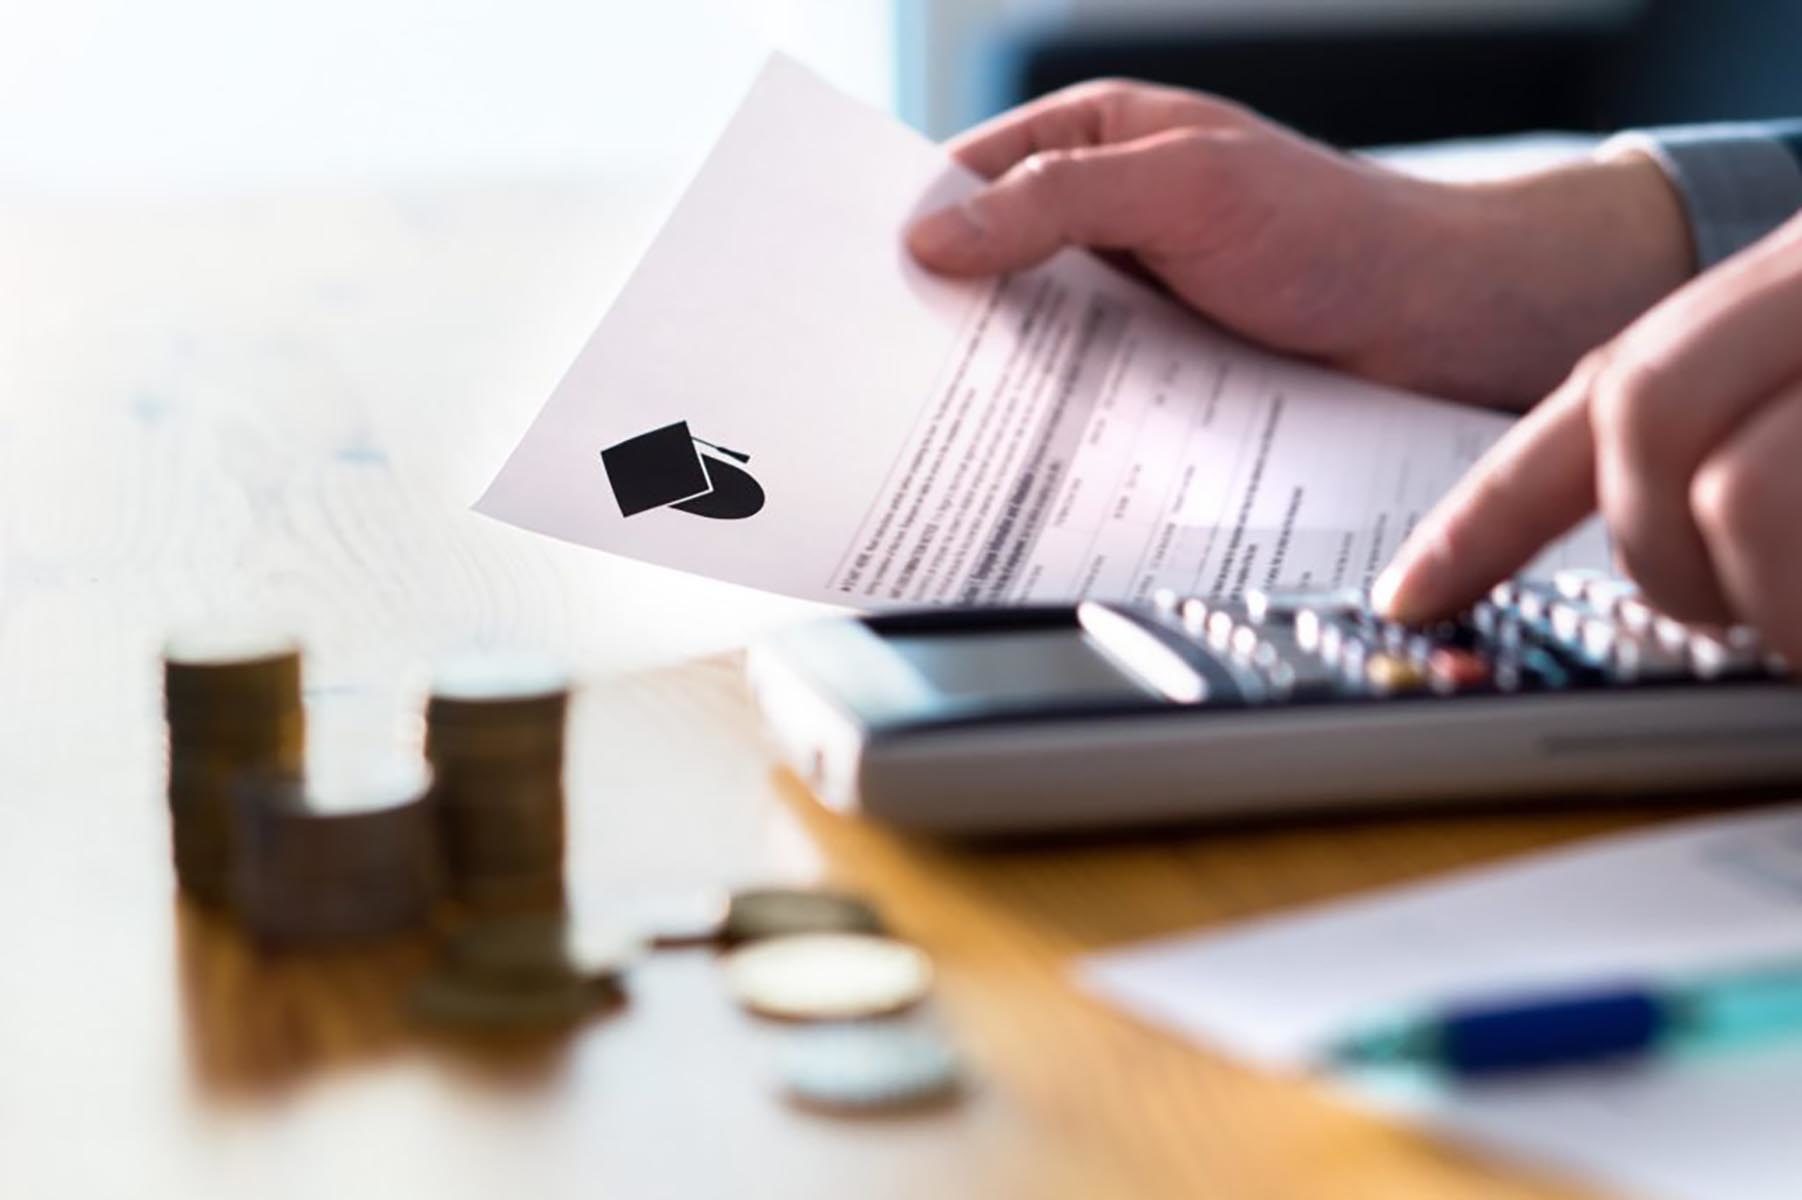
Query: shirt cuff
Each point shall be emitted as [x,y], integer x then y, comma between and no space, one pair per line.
[1737,181]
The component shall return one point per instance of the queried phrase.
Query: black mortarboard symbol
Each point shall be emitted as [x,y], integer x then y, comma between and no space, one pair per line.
[665,469]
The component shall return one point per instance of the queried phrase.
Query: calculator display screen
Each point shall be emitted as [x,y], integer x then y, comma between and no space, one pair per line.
[1015,667]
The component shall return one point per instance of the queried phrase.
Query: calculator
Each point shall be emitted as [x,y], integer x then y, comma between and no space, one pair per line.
[1283,700]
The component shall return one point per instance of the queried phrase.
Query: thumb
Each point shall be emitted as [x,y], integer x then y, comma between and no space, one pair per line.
[1117,197]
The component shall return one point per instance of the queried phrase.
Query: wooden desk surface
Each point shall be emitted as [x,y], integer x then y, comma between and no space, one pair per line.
[283,407]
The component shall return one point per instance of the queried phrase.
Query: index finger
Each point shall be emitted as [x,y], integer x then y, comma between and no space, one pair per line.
[1531,487]
[1063,120]
[1097,113]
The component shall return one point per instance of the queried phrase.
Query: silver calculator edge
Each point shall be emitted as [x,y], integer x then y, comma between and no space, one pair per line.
[1123,770]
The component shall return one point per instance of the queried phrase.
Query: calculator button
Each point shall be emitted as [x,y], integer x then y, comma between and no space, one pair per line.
[1453,670]
[1393,638]
[1597,638]
[1336,638]
[1420,647]
[1390,674]
[1534,601]
[1605,595]
[1566,621]
[1574,584]
[1715,655]
[1285,604]
[1670,633]
[1323,633]
[1164,600]
[1244,642]
[1532,668]
[1495,628]
[1220,626]
[1640,659]
[1635,615]
[1193,611]
[1294,677]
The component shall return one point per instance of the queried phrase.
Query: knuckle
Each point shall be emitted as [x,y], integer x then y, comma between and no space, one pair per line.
[1730,499]
[1630,404]
[1047,172]
[1104,89]
[1589,368]
[1096,106]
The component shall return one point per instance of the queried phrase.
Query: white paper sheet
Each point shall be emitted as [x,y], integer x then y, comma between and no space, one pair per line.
[1704,894]
[899,439]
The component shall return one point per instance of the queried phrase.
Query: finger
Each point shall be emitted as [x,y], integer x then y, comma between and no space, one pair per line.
[1088,114]
[1642,488]
[1746,498]
[1121,197]
[1531,487]
[1681,380]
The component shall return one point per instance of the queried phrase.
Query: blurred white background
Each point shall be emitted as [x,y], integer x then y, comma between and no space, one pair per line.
[181,95]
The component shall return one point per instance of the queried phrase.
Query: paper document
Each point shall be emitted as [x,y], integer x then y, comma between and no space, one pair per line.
[1703,895]
[780,397]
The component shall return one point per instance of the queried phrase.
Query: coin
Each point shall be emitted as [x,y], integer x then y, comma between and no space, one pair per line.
[448,998]
[495,735]
[526,892]
[865,1066]
[541,948]
[220,671]
[828,976]
[335,856]
[757,913]
[233,706]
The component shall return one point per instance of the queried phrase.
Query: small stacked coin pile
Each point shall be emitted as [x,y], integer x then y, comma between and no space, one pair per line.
[494,735]
[757,914]
[233,707]
[337,854]
[821,961]
[866,1066]
[828,976]
[520,973]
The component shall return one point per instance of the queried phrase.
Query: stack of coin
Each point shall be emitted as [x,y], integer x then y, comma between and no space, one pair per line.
[828,976]
[867,1066]
[519,973]
[233,706]
[346,854]
[819,961]
[494,734]
[754,914]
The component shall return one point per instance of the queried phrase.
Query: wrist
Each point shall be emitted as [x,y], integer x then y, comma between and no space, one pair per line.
[1518,278]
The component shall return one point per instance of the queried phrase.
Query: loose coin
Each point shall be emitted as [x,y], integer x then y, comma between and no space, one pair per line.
[449,998]
[537,949]
[866,1066]
[828,976]
[758,913]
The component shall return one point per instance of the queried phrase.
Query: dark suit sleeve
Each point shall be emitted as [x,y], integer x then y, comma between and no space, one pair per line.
[1738,181]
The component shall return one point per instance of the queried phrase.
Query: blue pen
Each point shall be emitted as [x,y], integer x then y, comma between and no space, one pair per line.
[1531,1031]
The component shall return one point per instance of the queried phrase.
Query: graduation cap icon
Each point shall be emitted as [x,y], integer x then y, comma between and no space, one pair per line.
[666,469]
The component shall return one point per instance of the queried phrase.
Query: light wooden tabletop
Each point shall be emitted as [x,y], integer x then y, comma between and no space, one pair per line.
[282,407]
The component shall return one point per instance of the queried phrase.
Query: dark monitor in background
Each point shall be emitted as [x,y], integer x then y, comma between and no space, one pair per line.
[1390,80]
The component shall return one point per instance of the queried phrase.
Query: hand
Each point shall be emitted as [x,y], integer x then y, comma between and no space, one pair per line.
[1686,431]
[1482,292]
